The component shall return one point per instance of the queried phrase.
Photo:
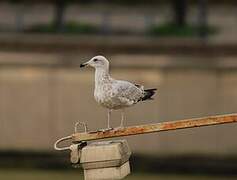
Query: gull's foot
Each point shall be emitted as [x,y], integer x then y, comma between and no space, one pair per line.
[119,128]
[104,130]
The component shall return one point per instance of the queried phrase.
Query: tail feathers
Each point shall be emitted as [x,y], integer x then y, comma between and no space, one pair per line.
[148,94]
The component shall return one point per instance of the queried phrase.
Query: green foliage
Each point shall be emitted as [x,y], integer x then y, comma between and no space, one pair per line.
[69,28]
[76,174]
[172,30]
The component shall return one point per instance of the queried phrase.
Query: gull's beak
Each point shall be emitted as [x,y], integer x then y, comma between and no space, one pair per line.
[83,65]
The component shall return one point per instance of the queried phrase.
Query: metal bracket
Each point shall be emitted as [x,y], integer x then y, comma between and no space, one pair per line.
[70,137]
[61,140]
[75,148]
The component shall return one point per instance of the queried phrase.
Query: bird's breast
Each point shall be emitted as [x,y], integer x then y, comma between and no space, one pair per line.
[103,95]
[106,97]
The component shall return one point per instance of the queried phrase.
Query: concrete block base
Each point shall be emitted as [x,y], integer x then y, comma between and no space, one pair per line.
[108,173]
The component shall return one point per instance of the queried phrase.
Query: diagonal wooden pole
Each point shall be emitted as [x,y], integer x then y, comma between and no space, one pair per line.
[151,128]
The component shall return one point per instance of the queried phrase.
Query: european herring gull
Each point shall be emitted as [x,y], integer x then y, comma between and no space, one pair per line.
[115,94]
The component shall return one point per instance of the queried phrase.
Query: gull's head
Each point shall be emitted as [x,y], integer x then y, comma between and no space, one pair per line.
[97,62]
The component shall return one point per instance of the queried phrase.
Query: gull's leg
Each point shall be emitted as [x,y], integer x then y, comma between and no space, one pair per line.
[122,118]
[108,120]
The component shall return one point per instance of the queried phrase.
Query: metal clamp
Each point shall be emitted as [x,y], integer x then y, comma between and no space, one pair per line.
[80,124]
[76,152]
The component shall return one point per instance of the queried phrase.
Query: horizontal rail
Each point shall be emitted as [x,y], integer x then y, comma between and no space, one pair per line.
[151,128]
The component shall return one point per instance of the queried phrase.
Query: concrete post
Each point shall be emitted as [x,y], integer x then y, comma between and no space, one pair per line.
[106,160]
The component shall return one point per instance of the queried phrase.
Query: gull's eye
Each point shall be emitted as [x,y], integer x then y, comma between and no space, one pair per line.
[95,60]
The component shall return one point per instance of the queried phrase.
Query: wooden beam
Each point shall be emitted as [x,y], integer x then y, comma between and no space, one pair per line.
[152,128]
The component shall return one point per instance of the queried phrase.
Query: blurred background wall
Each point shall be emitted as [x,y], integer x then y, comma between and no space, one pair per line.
[41,98]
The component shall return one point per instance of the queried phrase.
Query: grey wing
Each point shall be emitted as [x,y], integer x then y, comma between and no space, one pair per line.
[127,91]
